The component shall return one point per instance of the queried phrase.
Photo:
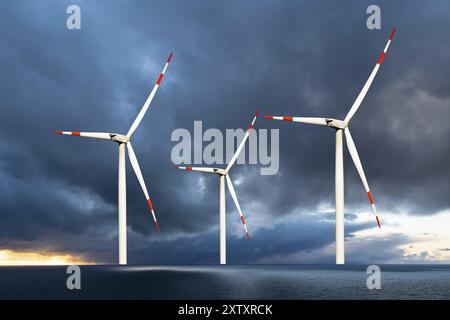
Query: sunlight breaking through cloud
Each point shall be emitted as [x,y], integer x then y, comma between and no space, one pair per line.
[17,258]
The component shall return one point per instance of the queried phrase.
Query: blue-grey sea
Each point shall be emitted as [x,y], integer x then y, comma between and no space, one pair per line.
[227,282]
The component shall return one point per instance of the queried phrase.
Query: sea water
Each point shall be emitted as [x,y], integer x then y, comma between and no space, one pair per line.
[227,282]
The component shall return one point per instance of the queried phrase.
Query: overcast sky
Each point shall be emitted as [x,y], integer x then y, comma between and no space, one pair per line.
[58,195]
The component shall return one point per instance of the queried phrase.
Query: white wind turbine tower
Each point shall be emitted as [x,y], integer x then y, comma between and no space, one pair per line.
[125,140]
[224,174]
[340,127]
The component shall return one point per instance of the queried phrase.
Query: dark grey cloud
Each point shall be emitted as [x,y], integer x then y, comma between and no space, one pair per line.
[291,58]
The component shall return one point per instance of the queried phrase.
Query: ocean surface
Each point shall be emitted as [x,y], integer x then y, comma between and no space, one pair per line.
[227,282]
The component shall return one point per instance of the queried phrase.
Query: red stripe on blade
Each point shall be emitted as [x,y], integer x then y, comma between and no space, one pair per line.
[58,132]
[188,168]
[268,117]
[287,118]
[157,226]
[381,58]
[243,220]
[160,79]
[257,112]
[170,57]
[370,197]
[392,34]
[378,222]
[250,127]
[150,204]
[75,133]
[248,237]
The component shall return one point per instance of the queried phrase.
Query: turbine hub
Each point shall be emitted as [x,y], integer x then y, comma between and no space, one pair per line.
[337,124]
[119,138]
[220,172]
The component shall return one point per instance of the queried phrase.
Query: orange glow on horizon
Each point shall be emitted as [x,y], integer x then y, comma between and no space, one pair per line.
[18,258]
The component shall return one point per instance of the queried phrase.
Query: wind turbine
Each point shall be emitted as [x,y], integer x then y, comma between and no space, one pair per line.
[342,126]
[224,175]
[125,140]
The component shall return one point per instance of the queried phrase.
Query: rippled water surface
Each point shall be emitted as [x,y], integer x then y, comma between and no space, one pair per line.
[227,282]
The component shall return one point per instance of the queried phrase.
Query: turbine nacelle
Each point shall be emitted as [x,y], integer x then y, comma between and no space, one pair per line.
[119,138]
[220,172]
[335,123]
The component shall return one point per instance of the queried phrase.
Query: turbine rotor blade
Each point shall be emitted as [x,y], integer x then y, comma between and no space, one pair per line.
[241,145]
[369,81]
[141,114]
[307,120]
[354,154]
[200,169]
[137,171]
[236,202]
[95,135]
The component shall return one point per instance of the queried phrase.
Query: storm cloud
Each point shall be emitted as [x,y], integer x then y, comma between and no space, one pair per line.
[293,58]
